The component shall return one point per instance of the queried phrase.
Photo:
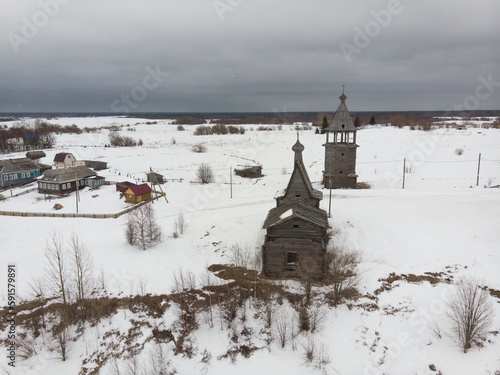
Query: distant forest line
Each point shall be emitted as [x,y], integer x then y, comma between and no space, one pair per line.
[186,118]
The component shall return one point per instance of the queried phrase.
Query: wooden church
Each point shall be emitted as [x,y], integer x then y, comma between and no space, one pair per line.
[340,150]
[296,227]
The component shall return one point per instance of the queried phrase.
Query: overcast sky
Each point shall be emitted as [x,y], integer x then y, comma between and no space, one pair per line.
[248,55]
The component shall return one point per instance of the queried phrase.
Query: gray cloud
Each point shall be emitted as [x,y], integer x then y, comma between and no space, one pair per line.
[260,56]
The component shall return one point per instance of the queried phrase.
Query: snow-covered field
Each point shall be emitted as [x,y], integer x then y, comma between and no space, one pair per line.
[440,222]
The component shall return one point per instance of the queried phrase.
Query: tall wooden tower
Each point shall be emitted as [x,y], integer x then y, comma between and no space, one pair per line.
[340,150]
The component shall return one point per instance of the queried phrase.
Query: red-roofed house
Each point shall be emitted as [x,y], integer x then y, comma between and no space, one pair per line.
[138,193]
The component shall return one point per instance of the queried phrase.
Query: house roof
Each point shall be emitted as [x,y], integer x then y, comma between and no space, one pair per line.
[139,189]
[61,156]
[342,120]
[67,174]
[35,154]
[296,209]
[17,165]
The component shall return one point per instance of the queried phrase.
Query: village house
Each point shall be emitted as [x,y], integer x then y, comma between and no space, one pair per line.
[138,193]
[18,171]
[296,228]
[96,165]
[63,181]
[64,159]
[340,150]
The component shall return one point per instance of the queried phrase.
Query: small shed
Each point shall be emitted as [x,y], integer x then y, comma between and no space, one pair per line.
[254,171]
[123,186]
[96,165]
[35,155]
[154,178]
[138,193]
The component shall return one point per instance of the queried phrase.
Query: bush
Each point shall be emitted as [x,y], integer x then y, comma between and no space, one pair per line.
[116,140]
[203,130]
[180,128]
[470,312]
[199,148]
[219,129]
[341,272]
[205,174]
[459,151]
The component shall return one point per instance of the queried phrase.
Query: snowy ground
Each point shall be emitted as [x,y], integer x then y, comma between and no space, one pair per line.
[441,219]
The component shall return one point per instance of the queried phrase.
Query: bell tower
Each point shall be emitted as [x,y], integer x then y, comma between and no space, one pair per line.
[340,150]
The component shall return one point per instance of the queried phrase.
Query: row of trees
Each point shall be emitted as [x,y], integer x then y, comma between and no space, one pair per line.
[28,135]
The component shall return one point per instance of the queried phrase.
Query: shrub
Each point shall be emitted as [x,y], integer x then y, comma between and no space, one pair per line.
[203,130]
[470,312]
[341,272]
[180,128]
[199,148]
[459,151]
[117,140]
[205,174]
[219,129]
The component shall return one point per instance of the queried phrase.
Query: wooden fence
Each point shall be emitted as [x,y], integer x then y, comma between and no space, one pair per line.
[75,215]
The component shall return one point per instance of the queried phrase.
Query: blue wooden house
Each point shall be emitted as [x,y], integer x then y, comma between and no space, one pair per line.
[18,171]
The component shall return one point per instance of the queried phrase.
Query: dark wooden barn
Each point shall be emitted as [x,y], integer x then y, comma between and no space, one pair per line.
[254,171]
[340,150]
[155,178]
[296,228]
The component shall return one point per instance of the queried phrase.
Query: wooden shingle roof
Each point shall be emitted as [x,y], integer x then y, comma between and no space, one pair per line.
[296,209]
[60,157]
[67,174]
[342,120]
[17,165]
[140,189]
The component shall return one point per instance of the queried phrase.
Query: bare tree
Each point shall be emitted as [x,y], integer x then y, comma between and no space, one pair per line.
[205,174]
[159,362]
[240,255]
[179,225]
[282,326]
[470,312]
[56,269]
[309,271]
[142,228]
[342,272]
[83,265]
[62,338]
[133,365]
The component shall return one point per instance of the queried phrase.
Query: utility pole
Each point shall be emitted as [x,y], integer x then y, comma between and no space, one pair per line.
[478,169]
[404,172]
[76,193]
